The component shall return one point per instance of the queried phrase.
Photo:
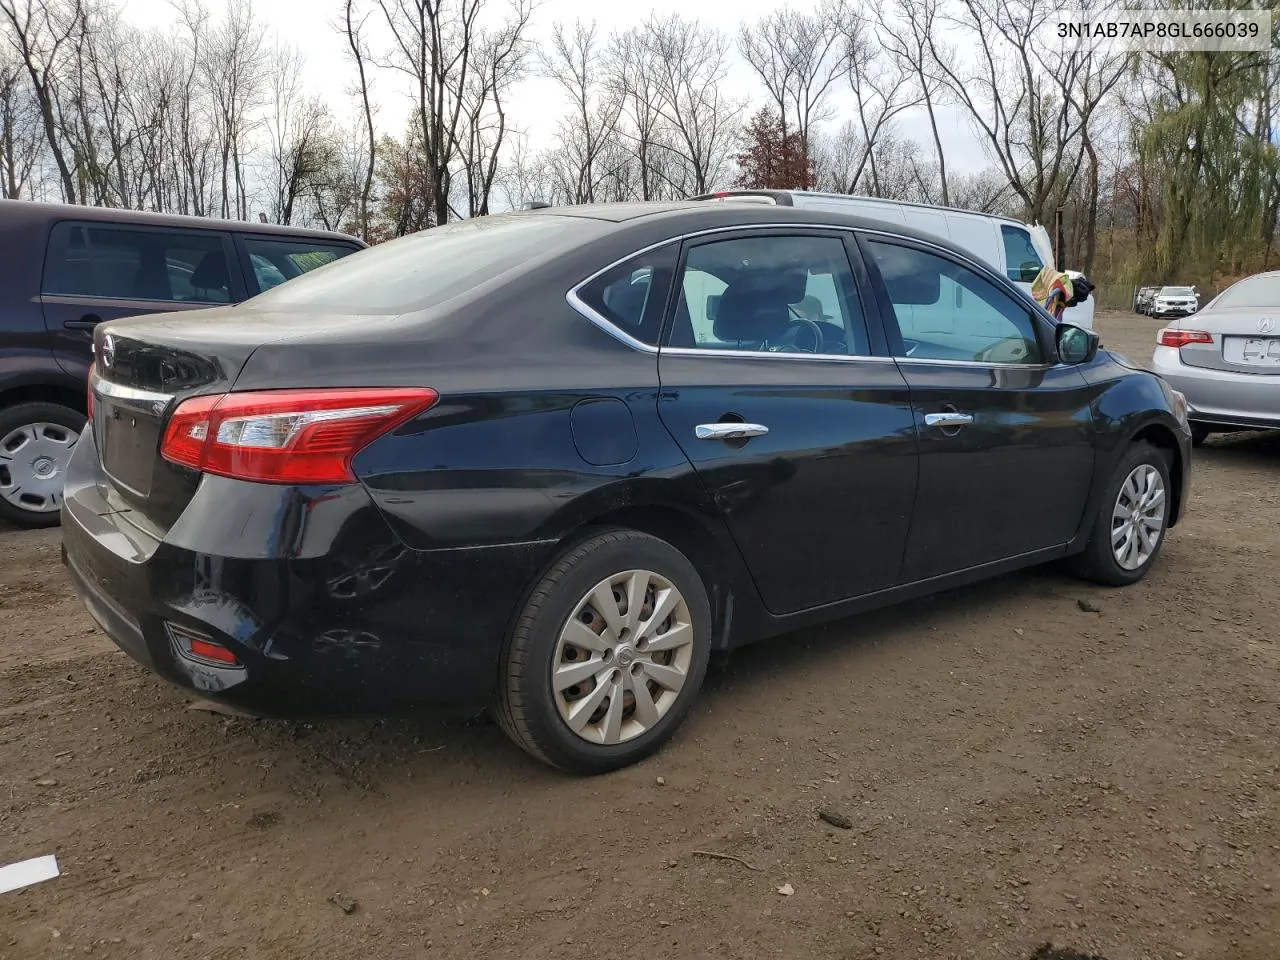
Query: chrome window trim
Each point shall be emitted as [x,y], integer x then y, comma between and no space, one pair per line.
[575,301]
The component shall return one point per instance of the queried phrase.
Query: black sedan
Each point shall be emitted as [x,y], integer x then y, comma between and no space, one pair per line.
[552,460]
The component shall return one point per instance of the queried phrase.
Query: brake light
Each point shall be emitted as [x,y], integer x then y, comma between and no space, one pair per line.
[88,388]
[287,436]
[1180,338]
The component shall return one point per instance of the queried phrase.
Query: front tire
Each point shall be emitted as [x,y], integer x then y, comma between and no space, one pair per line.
[608,654]
[1129,530]
[36,440]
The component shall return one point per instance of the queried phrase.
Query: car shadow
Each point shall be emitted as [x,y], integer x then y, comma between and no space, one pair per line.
[376,755]
[1262,446]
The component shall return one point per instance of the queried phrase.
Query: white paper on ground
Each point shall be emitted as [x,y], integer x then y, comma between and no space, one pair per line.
[24,874]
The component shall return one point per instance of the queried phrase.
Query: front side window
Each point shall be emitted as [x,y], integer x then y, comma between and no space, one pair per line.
[946,311]
[275,261]
[1022,262]
[632,295]
[776,294]
[109,262]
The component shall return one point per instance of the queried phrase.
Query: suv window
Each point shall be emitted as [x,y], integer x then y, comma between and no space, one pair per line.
[632,296]
[776,294]
[1022,262]
[275,261]
[100,260]
[946,311]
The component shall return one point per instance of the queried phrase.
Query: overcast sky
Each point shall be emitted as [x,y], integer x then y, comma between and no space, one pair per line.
[537,104]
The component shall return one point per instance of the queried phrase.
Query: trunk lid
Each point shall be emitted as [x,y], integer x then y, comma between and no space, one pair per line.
[1245,340]
[145,366]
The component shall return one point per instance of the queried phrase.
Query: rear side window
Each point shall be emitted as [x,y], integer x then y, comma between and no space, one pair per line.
[1022,263]
[428,268]
[275,261]
[632,295]
[121,263]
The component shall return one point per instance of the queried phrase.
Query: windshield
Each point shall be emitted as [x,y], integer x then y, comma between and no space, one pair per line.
[427,268]
[1260,291]
[1176,292]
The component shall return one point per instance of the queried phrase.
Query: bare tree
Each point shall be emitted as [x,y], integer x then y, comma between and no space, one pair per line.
[500,63]
[799,58]
[298,130]
[1030,101]
[437,45]
[353,31]
[20,131]
[689,65]
[43,34]
[588,146]
[906,39]
[881,88]
[234,66]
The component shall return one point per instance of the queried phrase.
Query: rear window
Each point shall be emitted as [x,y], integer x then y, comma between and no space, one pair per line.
[109,262]
[275,261]
[1259,291]
[427,268]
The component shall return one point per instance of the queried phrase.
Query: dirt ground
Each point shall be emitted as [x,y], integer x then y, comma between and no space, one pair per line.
[1016,769]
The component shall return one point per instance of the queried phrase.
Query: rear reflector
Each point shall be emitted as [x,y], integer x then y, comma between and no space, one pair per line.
[287,436]
[1180,338]
[191,643]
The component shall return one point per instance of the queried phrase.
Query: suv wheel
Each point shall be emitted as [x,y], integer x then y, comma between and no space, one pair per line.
[608,654]
[36,440]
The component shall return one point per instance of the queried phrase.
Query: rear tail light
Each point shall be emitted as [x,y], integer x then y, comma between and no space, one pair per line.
[1180,338]
[88,388]
[287,436]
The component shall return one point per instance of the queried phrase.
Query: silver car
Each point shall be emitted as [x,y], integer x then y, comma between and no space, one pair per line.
[1226,358]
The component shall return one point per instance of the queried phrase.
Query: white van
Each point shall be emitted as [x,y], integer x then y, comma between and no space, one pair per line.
[1017,250]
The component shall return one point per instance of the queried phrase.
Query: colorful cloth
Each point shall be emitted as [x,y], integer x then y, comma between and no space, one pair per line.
[1053,290]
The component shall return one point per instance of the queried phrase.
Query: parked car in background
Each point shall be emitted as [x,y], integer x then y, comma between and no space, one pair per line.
[1174,302]
[1016,249]
[66,269]
[1143,298]
[1226,359]
[556,458]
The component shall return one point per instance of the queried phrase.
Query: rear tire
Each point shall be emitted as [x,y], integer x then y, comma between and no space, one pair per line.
[36,440]
[590,690]
[1134,511]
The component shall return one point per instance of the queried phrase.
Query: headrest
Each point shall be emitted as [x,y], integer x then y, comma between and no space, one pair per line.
[756,306]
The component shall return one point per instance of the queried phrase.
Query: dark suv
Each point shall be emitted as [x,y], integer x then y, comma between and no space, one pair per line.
[65,269]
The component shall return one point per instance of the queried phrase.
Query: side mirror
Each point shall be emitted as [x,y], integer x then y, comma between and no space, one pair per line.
[1076,345]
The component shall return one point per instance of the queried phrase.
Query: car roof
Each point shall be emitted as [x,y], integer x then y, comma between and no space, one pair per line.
[27,213]
[692,215]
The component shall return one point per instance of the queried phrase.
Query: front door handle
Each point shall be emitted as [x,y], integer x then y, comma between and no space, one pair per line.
[951,418]
[87,322]
[729,431]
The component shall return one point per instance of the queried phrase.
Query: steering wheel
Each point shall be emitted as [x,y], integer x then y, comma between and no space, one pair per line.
[790,336]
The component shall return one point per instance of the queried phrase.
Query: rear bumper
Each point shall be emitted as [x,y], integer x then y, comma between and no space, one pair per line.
[1221,396]
[324,608]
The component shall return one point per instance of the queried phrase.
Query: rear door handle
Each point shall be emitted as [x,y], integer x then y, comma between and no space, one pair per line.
[949,419]
[729,431]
